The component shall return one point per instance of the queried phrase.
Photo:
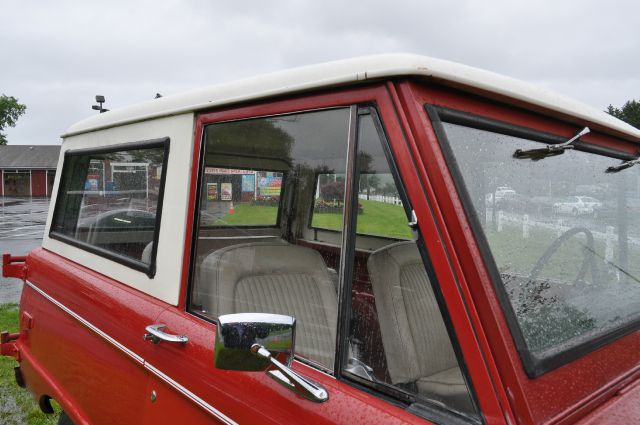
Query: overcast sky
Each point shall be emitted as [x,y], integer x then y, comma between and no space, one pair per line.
[55,56]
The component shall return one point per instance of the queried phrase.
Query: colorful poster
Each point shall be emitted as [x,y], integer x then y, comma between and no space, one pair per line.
[91,183]
[226,191]
[270,186]
[212,191]
[248,183]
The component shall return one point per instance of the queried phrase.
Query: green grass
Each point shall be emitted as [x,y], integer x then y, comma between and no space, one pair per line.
[247,214]
[16,404]
[377,218]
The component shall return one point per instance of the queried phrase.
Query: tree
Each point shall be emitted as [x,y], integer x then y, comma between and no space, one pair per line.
[333,191]
[10,111]
[629,113]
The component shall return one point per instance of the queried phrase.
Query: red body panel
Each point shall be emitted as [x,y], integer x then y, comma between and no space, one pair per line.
[622,408]
[81,368]
[249,397]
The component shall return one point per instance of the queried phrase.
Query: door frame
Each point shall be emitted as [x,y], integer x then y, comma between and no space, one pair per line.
[461,315]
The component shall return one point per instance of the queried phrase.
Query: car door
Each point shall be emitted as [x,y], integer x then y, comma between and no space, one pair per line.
[297,201]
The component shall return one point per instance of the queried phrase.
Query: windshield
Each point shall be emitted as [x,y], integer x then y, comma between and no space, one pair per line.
[565,238]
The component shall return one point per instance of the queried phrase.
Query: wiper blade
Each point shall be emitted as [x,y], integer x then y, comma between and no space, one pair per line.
[623,166]
[549,150]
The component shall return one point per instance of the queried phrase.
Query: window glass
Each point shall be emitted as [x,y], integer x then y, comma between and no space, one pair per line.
[398,339]
[564,234]
[109,200]
[252,253]
[380,211]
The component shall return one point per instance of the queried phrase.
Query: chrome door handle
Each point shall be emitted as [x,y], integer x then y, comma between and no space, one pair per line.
[155,335]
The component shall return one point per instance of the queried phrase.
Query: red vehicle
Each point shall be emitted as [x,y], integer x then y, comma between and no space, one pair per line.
[316,246]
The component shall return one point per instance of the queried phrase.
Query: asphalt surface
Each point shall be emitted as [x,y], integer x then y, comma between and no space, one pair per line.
[22,223]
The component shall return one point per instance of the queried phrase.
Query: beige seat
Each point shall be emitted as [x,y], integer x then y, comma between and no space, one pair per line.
[274,277]
[146,253]
[416,344]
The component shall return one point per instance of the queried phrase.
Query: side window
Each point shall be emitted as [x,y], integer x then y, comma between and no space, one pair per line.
[398,340]
[252,252]
[109,202]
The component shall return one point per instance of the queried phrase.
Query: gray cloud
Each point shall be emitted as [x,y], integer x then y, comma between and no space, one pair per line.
[56,55]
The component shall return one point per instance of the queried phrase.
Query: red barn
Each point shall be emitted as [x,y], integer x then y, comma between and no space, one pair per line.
[28,170]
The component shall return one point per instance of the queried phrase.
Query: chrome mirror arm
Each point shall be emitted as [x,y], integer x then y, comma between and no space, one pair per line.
[289,378]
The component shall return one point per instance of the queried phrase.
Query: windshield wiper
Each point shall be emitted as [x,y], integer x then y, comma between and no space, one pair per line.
[623,166]
[549,150]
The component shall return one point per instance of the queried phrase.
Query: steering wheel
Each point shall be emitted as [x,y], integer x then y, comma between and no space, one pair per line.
[589,257]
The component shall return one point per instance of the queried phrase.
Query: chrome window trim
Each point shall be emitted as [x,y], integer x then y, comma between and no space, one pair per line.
[138,359]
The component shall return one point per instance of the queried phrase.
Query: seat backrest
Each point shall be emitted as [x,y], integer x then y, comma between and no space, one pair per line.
[274,277]
[414,336]
[146,253]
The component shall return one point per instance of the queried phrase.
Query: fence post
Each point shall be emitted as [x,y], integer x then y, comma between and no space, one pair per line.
[500,220]
[525,226]
[608,250]
[559,231]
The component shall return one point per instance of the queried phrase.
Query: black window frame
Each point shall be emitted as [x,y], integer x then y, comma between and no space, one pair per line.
[148,269]
[534,365]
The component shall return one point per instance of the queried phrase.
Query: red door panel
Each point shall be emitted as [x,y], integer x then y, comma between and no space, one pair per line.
[86,332]
[246,397]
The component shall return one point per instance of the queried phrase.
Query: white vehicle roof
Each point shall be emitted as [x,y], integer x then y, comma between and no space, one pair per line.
[358,70]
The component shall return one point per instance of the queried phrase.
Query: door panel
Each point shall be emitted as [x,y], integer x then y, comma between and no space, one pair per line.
[96,360]
[246,397]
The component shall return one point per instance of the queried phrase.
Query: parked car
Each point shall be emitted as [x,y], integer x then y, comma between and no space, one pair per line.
[578,205]
[188,299]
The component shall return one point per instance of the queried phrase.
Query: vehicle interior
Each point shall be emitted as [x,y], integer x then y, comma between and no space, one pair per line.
[270,237]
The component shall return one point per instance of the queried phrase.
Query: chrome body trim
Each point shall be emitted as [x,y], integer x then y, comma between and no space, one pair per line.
[191,396]
[99,332]
[348,229]
[138,359]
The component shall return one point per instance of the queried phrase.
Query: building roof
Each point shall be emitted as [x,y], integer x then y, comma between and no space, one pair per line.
[340,73]
[29,156]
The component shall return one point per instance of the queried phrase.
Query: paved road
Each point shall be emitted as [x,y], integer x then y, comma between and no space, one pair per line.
[22,223]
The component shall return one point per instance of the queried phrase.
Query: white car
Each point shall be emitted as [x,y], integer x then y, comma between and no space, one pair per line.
[577,205]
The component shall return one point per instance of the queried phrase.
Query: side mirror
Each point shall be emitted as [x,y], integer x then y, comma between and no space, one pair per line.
[237,333]
[262,342]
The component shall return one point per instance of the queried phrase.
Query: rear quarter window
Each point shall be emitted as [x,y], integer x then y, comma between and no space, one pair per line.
[110,200]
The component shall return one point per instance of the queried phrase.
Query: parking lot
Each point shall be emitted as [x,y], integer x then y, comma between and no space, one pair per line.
[22,223]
